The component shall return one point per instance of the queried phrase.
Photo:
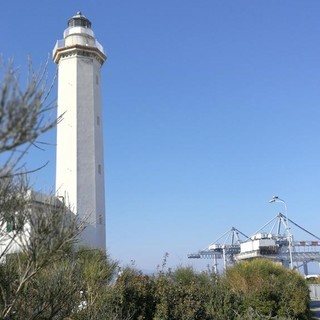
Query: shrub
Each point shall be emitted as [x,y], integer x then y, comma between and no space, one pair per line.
[268,288]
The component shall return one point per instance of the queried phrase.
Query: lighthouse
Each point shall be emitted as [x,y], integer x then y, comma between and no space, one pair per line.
[79,158]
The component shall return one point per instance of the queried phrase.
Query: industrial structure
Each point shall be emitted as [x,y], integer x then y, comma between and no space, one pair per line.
[276,243]
[225,247]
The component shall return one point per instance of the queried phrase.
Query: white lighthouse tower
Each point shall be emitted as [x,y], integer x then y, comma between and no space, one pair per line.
[80,166]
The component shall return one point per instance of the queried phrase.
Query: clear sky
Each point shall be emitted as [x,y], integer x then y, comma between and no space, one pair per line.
[211,107]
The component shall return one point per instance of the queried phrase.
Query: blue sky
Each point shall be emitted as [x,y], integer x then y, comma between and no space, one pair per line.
[210,108]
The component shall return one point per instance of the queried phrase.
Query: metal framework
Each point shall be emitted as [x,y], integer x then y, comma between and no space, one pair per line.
[281,246]
[226,249]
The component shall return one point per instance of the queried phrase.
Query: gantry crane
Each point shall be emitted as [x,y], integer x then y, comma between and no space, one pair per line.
[277,244]
[226,250]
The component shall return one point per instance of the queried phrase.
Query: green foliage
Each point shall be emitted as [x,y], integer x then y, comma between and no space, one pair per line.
[134,295]
[181,294]
[222,302]
[81,285]
[43,234]
[179,301]
[51,294]
[75,285]
[44,242]
[95,274]
[269,289]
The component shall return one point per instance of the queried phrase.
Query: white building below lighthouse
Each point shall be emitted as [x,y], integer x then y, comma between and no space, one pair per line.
[79,159]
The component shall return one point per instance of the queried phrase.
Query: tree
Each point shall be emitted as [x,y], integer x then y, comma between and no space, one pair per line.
[23,119]
[23,115]
[41,233]
[47,236]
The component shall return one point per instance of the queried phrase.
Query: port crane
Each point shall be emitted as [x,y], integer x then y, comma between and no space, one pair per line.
[277,244]
[225,247]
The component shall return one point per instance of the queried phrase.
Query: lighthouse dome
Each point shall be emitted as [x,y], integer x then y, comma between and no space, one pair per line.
[79,20]
[78,25]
